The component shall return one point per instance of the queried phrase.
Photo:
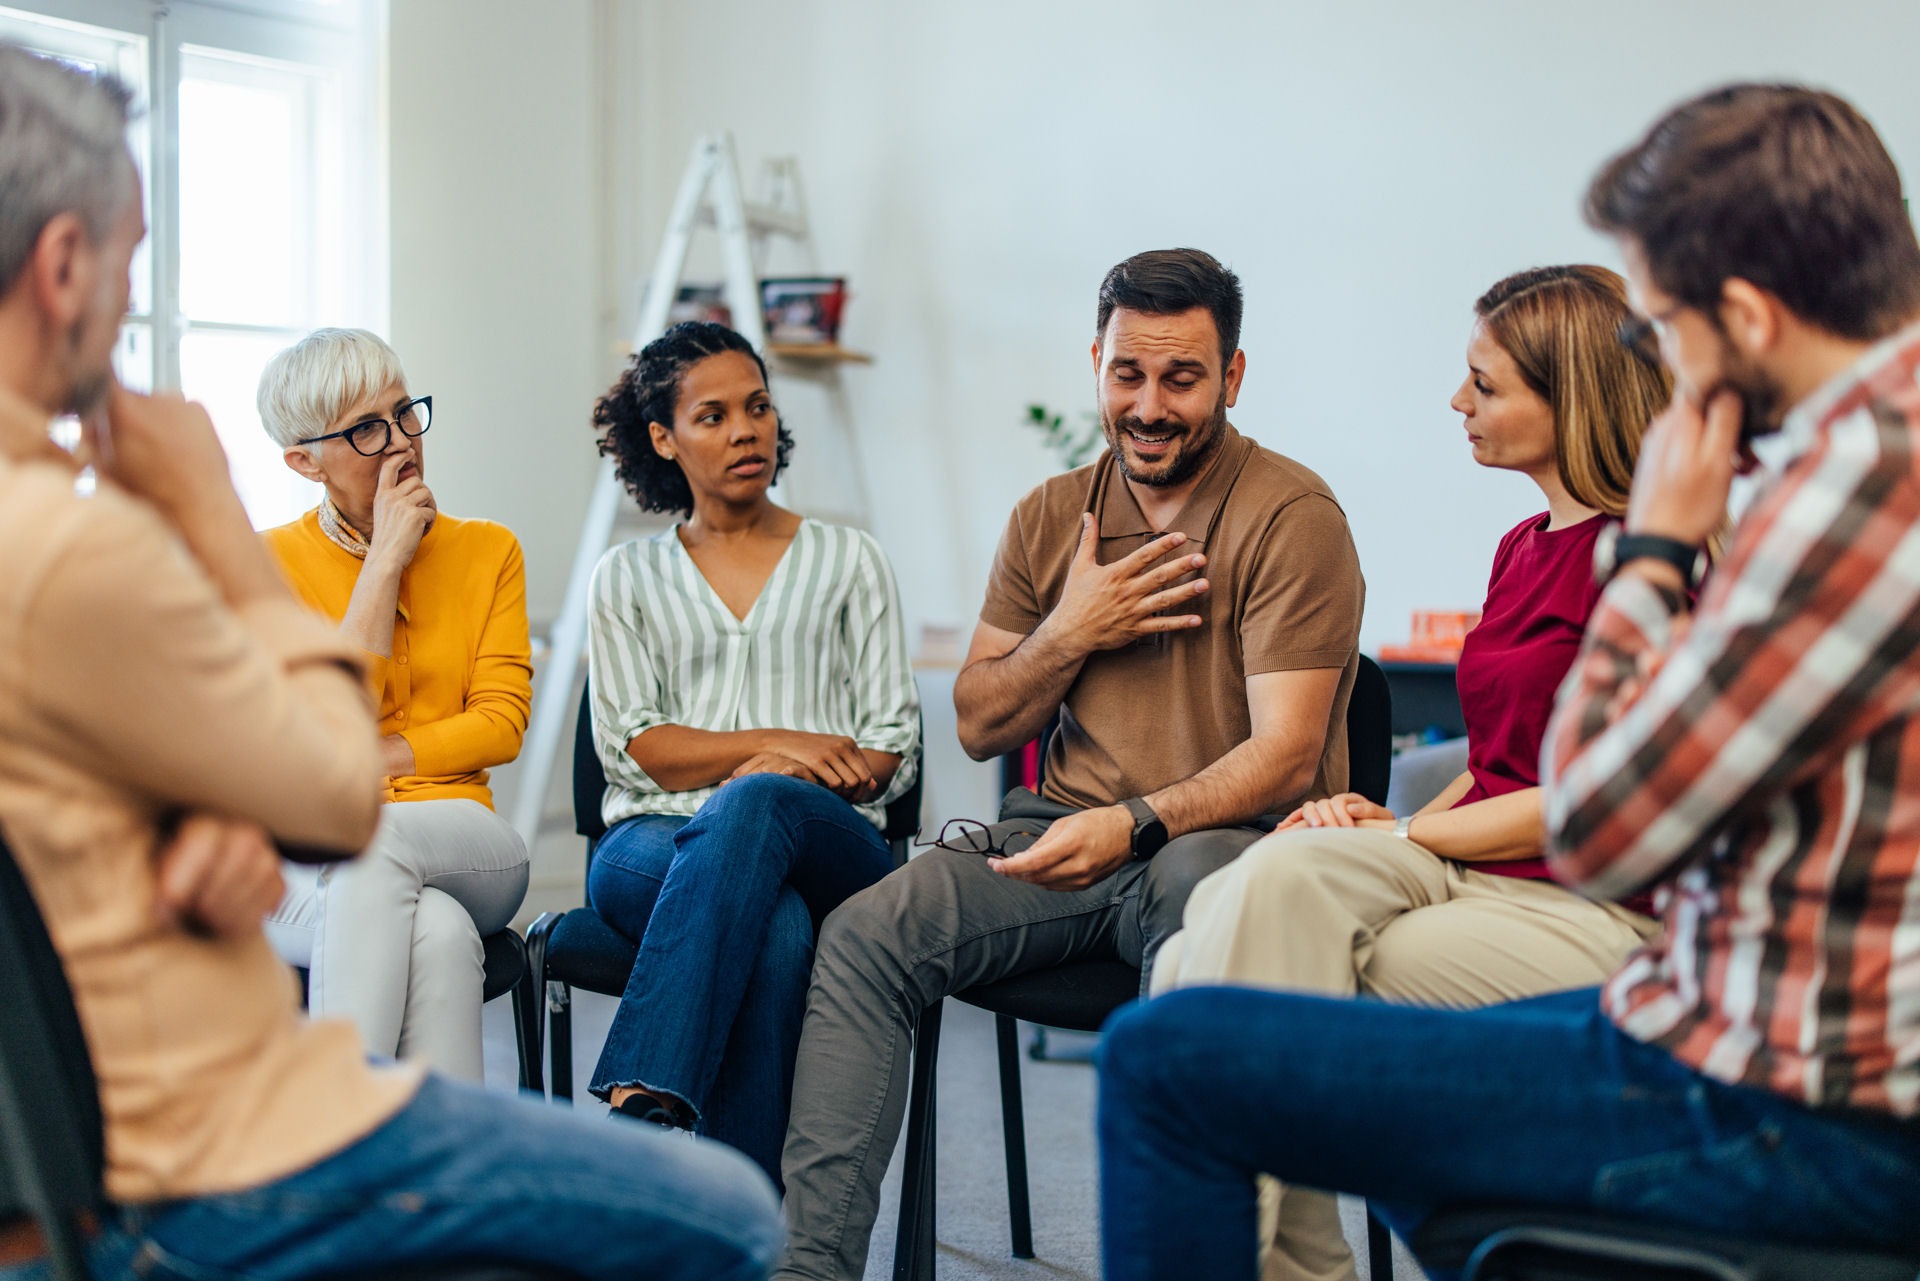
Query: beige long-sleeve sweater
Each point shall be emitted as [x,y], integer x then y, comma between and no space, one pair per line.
[129,692]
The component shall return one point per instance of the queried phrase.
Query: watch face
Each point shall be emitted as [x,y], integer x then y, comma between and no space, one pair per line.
[1149,832]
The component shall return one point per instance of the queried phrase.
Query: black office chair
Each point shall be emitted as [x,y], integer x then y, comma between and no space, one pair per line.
[1080,996]
[504,964]
[577,948]
[52,1152]
[1369,732]
[1520,1243]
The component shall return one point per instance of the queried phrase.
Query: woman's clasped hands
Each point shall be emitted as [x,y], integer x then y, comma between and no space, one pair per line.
[1347,809]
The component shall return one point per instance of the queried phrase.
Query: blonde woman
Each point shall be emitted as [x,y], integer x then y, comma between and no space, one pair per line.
[438,604]
[1452,905]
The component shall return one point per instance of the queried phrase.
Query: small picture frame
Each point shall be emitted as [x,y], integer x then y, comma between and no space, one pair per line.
[701,301]
[803,310]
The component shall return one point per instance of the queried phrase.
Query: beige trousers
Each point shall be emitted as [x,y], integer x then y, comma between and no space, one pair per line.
[1350,911]
[393,938]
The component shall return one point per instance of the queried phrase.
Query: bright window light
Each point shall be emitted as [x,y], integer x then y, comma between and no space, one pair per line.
[247,126]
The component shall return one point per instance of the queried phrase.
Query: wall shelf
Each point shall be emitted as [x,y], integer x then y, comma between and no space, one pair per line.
[821,352]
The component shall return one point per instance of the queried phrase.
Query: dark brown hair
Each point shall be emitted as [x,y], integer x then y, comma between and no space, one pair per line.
[1166,282]
[1785,187]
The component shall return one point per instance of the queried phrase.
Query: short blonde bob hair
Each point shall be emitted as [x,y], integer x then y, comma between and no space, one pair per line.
[305,389]
[1561,325]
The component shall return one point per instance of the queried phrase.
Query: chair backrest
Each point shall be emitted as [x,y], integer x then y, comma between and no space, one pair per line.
[52,1148]
[1370,732]
[589,777]
[903,811]
[590,786]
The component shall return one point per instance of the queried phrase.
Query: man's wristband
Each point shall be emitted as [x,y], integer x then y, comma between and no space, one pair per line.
[1614,549]
[1149,833]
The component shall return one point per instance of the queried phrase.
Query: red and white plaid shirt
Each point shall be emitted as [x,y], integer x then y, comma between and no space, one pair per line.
[1761,762]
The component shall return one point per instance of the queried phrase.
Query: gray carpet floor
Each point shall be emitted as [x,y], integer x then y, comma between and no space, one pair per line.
[971,1192]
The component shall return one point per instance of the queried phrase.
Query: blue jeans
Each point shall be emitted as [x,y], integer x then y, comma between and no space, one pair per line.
[724,907]
[1539,1102]
[461,1173]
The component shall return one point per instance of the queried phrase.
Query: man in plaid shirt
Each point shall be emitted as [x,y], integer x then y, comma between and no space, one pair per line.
[1756,759]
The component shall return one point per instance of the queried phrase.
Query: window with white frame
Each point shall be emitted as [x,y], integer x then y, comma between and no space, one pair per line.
[259,138]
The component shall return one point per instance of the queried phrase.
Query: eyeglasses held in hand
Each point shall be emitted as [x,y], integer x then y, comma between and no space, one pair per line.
[371,438]
[968,836]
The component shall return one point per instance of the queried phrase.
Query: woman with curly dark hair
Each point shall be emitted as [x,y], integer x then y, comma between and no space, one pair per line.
[755,711]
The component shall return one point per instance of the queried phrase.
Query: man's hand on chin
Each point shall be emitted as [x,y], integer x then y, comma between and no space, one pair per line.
[1687,463]
[1077,851]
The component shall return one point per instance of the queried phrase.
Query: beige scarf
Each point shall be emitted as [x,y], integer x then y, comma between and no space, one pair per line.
[339,532]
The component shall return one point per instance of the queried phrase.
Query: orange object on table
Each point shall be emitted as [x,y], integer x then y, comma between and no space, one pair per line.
[1437,637]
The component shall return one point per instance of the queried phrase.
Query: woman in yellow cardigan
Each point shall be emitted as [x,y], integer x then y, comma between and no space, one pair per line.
[392,940]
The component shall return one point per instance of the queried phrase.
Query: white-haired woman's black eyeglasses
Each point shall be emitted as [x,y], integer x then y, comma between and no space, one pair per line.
[372,436]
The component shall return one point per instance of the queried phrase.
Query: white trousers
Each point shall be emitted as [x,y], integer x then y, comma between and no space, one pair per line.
[1353,911]
[391,940]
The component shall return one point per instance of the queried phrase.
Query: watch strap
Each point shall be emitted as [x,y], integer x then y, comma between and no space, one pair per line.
[1143,819]
[1684,557]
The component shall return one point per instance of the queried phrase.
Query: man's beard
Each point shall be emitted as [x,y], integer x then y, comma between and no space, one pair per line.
[88,394]
[1192,449]
[88,390]
[1763,407]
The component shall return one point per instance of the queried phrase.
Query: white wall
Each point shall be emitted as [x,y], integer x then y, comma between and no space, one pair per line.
[497,187]
[1368,168]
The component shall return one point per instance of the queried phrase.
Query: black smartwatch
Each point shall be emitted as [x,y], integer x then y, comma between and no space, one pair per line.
[1615,548]
[1149,833]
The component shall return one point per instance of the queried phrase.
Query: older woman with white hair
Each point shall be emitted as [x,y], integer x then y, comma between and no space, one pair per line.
[392,941]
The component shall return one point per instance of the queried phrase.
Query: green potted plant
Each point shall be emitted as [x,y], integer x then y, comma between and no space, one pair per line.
[1075,445]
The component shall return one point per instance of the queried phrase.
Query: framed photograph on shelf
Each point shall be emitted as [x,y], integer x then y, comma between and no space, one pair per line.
[701,301]
[804,310]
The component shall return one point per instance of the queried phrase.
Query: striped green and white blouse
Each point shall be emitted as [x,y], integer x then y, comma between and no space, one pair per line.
[824,650]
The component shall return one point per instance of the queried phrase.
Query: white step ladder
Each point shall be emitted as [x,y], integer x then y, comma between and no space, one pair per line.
[710,194]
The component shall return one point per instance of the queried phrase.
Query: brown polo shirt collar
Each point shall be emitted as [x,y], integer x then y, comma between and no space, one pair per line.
[1117,515]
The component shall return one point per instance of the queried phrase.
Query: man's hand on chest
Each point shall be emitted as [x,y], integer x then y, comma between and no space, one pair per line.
[1104,607]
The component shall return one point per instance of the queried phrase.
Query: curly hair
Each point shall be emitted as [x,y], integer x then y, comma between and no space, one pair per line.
[649,392]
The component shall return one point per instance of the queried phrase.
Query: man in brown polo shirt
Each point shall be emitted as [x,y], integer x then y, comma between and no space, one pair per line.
[1189,607]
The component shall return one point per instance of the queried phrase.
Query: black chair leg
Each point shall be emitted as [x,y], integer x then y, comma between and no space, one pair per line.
[913,1242]
[560,1039]
[529,1004]
[1013,1124]
[526,1029]
[525,1048]
[926,1237]
[1379,1249]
